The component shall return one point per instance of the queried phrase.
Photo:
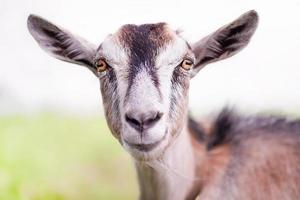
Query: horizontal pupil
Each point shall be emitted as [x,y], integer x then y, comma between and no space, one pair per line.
[188,62]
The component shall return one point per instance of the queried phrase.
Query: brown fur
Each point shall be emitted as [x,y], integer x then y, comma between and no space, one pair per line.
[257,158]
[159,34]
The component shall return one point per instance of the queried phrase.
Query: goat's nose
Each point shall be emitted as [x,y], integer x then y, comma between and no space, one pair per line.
[142,121]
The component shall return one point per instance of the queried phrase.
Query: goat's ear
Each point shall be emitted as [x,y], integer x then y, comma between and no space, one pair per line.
[60,43]
[226,41]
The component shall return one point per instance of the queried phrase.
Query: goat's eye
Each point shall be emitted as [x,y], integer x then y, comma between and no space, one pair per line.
[101,65]
[186,64]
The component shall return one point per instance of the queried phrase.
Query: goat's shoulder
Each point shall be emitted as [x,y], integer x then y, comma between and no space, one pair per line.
[253,149]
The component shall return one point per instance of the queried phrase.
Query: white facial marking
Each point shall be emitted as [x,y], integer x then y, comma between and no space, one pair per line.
[172,54]
[169,58]
[113,52]
[144,98]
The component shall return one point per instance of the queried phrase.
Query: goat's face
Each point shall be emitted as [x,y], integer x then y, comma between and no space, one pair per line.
[144,73]
[144,86]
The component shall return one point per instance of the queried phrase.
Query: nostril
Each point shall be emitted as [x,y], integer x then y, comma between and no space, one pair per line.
[132,121]
[153,119]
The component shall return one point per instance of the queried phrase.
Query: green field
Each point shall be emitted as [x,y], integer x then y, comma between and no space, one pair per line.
[55,157]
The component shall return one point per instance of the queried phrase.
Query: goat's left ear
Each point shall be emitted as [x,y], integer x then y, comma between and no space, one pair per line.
[60,43]
[226,41]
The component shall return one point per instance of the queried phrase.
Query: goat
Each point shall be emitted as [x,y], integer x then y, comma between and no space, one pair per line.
[144,72]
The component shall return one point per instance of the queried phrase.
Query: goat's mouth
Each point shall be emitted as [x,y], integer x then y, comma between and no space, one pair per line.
[146,147]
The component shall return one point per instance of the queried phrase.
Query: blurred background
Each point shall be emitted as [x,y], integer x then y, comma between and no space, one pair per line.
[54,142]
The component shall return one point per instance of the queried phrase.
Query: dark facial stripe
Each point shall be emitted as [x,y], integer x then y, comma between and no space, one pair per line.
[143,42]
[110,96]
[178,99]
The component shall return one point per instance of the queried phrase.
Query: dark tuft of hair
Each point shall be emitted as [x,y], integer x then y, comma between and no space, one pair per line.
[223,125]
[231,128]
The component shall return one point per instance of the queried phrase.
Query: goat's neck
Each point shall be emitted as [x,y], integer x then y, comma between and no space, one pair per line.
[173,175]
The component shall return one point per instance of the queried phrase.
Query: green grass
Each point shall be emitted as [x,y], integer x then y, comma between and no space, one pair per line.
[54,157]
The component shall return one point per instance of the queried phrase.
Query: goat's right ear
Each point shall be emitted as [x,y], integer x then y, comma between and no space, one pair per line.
[60,43]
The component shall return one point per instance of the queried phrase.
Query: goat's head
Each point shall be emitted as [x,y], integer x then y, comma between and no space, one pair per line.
[144,74]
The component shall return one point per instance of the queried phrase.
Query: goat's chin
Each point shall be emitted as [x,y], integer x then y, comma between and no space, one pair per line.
[149,152]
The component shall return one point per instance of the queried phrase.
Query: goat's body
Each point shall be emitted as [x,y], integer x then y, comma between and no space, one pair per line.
[249,158]
[145,72]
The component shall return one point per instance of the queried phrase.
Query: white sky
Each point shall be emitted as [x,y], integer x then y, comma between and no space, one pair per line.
[264,76]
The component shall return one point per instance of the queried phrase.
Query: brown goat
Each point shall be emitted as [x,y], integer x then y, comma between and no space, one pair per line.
[144,74]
